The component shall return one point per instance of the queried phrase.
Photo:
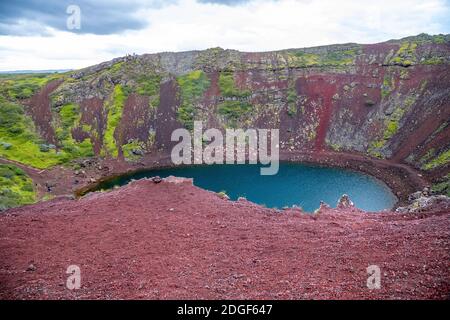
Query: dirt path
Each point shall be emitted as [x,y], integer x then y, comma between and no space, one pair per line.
[28,170]
[163,241]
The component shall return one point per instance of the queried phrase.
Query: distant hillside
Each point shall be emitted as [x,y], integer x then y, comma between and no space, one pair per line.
[35,71]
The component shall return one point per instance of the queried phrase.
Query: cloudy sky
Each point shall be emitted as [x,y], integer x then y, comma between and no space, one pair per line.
[38,35]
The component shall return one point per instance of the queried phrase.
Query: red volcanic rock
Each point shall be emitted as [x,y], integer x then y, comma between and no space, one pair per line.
[157,179]
[174,240]
[344,202]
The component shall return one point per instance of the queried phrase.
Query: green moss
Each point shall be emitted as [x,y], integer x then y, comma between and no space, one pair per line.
[133,150]
[192,88]
[388,86]
[439,161]
[335,147]
[434,61]
[69,113]
[374,148]
[148,85]
[375,153]
[409,101]
[16,188]
[228,88]
[427,156]
[69,118]
[117,67]
[333,58]
[223,194]
[404,74]
[311,134]
[233,111]
[391,129]
[193,85]
[154,102]
[339,58]
[303,59]
[237,106]
[406,54]
[442,187]
[392,125]
[115,110]
[186,114]
[292,102]
[292,109]
[86,127]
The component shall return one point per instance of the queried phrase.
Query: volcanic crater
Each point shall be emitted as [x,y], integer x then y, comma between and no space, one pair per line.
[381,109]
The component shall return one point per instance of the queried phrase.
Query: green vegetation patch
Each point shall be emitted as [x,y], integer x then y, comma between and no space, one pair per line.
[115,109]
[192,88]
[233,111]
[392,125]
[117,67]
[340,58]
[133,150]
[292,102]
[430,154]
[406,54]
[228,88]
[16,188]
[69,118]
[388,86]
[23,86]
[236,103]
[336,147]
[440,39]
[434,61]
[335,58]
[19,140]
[148,85]
[303,59]
[439,161]
[442,187]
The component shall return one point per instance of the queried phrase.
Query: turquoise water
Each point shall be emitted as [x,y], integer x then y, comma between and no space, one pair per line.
[295,184]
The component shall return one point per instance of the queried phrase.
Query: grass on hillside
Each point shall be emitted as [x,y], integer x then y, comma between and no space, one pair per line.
[114,117]
[192,88]
[19,140]
[16,188]
[69,118]
[22,86]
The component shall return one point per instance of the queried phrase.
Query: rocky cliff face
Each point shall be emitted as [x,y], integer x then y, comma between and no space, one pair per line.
[389,100]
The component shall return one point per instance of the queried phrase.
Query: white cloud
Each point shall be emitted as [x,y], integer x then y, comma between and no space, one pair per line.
[254,26]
